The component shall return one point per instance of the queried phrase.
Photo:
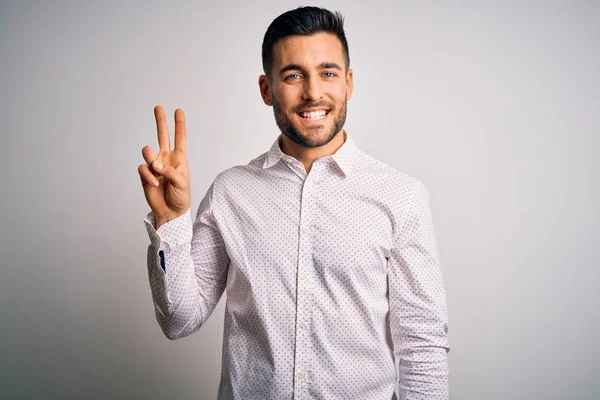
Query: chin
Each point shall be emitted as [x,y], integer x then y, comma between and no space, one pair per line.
[313,137]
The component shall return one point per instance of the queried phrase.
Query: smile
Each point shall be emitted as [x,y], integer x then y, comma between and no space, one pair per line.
[313,115]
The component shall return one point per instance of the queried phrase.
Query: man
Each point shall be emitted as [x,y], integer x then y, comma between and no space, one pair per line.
[328,255]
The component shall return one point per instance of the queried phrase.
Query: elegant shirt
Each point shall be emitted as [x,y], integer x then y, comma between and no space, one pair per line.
[330,276]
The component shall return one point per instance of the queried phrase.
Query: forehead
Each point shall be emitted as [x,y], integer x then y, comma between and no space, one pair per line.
[309,50]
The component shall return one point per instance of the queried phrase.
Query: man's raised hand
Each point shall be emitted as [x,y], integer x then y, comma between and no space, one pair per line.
[166,176]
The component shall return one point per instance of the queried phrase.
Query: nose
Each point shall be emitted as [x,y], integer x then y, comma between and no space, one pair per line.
[312,89]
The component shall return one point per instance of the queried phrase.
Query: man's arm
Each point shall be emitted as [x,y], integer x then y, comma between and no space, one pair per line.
[418,311]
[187,269]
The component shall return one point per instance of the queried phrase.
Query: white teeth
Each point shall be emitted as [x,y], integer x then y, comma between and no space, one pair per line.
[314,114]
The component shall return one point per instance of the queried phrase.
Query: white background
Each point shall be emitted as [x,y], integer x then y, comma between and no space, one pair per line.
[493,105]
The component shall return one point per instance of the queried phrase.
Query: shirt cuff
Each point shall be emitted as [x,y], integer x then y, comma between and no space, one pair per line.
[172,234]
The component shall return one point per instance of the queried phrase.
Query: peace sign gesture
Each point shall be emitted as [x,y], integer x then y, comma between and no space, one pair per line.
[166,176]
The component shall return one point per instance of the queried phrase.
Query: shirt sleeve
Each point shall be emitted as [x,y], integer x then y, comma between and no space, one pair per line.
[418,311]
[187,268]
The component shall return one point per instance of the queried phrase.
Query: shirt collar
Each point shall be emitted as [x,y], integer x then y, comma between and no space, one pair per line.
[344,156]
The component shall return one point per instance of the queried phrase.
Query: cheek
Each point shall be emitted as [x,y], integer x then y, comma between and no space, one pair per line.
[288,94]
[340,93]
[279,96]
[284,104]
[335,92]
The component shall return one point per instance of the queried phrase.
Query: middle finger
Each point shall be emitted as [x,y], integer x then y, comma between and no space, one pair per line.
[162,129]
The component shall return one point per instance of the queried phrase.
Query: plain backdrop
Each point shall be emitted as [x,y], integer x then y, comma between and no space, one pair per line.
[493,105]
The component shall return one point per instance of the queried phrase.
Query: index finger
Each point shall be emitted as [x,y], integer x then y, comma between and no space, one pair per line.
[180,130]
[162,129]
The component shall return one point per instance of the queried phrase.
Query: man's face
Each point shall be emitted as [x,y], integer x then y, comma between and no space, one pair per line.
[309,88]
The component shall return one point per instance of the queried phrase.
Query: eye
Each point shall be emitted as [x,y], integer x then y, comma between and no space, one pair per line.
[292,77]
[329,74]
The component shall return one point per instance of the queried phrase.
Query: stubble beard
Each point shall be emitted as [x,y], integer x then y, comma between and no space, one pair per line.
[290,130]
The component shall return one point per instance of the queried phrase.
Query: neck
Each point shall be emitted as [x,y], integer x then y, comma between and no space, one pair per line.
[307,155]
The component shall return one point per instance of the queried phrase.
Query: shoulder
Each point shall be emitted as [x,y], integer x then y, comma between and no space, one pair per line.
[234,172]
[369,167]
[238,176]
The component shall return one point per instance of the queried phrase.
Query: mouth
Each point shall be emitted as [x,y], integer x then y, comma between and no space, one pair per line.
[313,115]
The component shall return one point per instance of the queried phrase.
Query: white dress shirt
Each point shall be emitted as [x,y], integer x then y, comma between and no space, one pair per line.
[329,275]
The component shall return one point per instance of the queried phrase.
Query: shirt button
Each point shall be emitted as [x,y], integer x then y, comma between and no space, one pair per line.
[300,375]
[304,228]
[302,325]
[303,275]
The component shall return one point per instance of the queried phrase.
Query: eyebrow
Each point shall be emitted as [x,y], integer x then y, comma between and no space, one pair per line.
[299,67]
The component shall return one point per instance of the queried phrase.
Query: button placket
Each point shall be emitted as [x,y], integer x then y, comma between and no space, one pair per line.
[303,291]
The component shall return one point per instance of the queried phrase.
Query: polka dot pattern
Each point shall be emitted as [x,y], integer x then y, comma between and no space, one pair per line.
[331,276]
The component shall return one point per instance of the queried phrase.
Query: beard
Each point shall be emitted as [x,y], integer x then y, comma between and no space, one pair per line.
[294,133]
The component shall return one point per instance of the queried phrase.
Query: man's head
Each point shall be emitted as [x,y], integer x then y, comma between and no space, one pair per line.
[307,77]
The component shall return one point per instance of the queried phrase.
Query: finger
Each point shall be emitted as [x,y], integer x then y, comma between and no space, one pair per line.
[180,130]
[177,178]
[162,129]
[146,176]
[149,154]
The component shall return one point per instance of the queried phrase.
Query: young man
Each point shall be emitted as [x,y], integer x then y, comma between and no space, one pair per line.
[328,255]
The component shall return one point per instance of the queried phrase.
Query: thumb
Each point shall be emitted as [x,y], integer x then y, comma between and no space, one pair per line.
[177,179]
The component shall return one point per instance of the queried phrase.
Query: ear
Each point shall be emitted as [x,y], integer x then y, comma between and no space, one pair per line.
[265,90]
[349,83]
